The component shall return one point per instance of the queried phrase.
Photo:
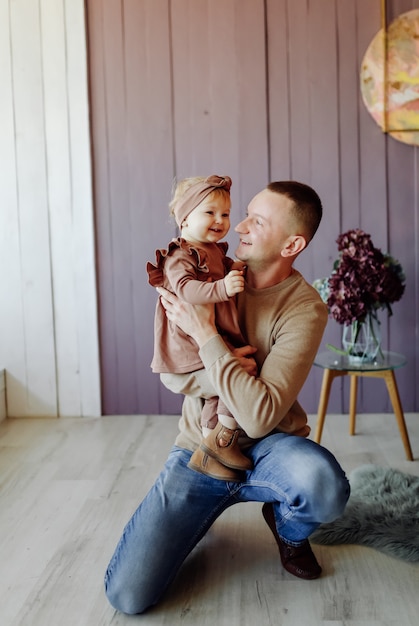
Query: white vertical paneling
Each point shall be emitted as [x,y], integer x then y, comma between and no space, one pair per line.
[83,262]
[32,208]
[59,202]
[11,308]
[48,322]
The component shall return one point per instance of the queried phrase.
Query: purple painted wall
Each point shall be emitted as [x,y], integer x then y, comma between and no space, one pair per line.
[259,90]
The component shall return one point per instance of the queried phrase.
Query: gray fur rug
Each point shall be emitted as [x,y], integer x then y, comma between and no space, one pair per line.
[382,513]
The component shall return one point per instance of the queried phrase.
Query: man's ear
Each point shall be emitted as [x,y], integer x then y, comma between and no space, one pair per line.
[294,245]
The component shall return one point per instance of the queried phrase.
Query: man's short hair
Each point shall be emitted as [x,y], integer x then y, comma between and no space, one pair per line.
[307,207]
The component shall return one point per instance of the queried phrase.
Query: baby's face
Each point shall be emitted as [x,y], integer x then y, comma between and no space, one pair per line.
[209,222]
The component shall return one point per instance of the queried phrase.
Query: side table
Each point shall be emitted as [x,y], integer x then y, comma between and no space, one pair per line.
[335,365]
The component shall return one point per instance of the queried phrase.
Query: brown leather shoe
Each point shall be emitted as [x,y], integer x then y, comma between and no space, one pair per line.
[298,560]
[222,445]
[201,462]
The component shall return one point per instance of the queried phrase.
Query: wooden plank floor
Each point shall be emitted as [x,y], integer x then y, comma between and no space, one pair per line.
[68,486]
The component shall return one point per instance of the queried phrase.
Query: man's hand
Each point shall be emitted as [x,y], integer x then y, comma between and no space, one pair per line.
[247,362]
[196,320]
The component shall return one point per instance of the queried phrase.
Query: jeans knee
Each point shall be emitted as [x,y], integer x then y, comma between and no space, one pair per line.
[335,492]
[126,600]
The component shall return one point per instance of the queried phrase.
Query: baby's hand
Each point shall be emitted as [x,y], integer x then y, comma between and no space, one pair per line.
[238,265]
[234,282]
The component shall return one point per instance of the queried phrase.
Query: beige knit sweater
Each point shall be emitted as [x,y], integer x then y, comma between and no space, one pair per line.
[286,323]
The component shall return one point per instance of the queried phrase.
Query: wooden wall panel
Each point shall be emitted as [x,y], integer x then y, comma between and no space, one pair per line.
[169,101]
[220,104]
[37,369]
[150,168]
[48,321]
[323,145]
[118,190]
[403,242]
[59,189]
[11,311]
[312,80]
[131,125]
[269,90]
[372,186]
[80,238]
[278,73]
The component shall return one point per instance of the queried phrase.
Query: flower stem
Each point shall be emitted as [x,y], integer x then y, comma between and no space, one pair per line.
[329,346]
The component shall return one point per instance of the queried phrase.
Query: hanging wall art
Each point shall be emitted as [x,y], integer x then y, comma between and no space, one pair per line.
[390,77]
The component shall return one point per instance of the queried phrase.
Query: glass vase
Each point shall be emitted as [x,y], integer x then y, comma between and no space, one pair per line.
[362,340]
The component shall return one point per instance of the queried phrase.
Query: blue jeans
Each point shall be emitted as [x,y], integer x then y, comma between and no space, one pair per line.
[301,478]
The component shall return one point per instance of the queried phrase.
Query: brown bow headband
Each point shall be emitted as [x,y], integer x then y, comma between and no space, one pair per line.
[198,192]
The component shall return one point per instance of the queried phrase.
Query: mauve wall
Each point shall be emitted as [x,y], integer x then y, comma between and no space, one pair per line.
[259,90]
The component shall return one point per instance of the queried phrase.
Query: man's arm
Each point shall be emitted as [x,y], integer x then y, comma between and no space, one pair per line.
[259,404]
[198,321]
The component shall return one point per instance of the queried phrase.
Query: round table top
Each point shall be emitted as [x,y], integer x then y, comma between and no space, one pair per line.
[385,361]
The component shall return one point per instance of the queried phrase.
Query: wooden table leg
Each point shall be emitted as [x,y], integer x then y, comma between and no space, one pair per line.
[352,403]
[393,392]
[388,374]
[328,377]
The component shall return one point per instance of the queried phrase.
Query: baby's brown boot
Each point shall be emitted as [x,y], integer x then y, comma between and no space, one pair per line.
[201,462]
[222,444]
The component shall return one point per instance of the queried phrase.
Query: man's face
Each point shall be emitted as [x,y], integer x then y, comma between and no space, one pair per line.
[266,230]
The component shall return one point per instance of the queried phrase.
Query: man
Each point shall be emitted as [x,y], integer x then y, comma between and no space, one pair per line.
[300,483]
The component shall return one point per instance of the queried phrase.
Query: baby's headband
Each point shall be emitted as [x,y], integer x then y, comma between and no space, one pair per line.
[198,192]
